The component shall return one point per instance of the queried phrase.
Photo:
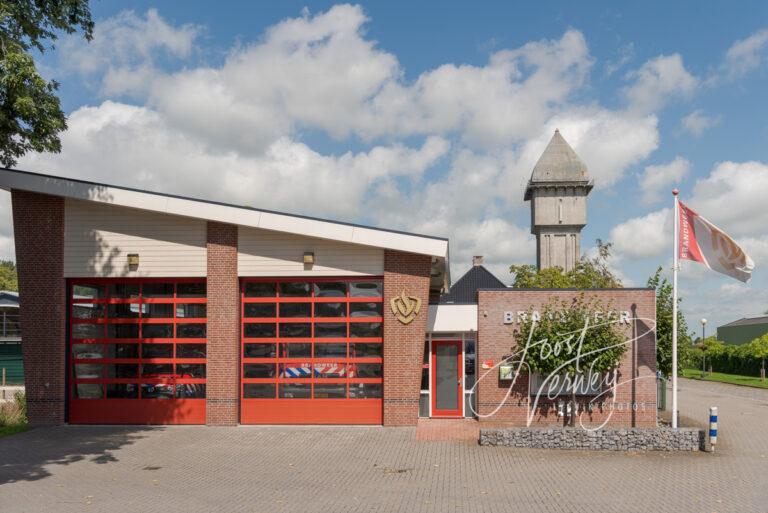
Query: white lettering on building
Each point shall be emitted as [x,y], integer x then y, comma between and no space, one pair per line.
[598,316]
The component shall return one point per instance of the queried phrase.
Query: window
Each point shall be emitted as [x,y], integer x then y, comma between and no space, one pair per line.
[137,339]
[312,339]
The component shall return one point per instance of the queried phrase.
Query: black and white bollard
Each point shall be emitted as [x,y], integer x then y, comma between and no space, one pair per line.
[712,427]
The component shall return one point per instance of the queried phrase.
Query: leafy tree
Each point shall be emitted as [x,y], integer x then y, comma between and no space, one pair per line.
[689,357]
[8,278]
[601,350]
[664,324]
[588,273]
[758,348]
[30,113]
[714,349]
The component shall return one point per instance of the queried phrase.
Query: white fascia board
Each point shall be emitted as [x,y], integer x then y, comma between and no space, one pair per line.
[200,209]
[400,242]
[452,318]
[309,227]
[212,212]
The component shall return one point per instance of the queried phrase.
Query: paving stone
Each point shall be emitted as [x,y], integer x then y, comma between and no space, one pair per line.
[374,469]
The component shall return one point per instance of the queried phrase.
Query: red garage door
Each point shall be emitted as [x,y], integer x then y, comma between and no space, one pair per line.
[137,351]
[312,351]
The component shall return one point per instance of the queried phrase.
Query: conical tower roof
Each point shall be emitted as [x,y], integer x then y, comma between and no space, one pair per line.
[558,164]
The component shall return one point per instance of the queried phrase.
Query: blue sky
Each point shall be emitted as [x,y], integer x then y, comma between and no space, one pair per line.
[429,116]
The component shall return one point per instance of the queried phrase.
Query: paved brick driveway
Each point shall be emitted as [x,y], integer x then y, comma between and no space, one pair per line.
[331,469]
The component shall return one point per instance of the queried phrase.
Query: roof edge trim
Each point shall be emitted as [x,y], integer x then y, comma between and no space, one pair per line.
[223,212]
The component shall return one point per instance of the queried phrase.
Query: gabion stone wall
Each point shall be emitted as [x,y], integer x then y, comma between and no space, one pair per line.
[612,439]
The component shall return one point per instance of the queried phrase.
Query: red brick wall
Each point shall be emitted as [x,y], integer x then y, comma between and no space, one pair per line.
[38,224]
[495,340]
[404,344]
[223,388]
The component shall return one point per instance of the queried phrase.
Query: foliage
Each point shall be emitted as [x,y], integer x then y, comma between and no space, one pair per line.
[560,320]
[13,413]
[743,359]
[12,430]
[588,273]
[30,113]
[689,357]
[8,278]
[560,344]
[664,324]
[758,348]
[712,347]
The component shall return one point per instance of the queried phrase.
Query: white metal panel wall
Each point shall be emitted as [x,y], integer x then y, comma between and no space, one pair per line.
[98,239]
[268,253]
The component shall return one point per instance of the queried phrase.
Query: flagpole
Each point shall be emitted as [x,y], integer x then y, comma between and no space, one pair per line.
[675,264]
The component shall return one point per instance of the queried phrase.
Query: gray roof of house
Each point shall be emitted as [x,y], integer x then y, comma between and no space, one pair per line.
[558,165]
[464,290]
[746,321]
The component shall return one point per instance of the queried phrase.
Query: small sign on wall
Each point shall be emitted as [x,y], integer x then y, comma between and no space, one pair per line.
[506,372]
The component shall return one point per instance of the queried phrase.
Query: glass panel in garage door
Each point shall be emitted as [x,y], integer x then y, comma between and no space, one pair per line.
[312,350]
[137,351]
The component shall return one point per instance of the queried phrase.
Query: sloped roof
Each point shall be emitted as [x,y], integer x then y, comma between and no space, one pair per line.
[746,321]
[558,164]
[9,298]
[464,290]
[225,213]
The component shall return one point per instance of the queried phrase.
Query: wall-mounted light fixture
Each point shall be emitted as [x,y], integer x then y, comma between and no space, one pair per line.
[133,259]
[309,258]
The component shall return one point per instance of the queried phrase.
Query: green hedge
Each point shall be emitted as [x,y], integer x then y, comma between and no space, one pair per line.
[728,359]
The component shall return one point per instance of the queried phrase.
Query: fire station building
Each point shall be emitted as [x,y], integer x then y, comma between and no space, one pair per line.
[140,307]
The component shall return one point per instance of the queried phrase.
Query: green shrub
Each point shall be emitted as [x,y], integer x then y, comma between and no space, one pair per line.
[744,359]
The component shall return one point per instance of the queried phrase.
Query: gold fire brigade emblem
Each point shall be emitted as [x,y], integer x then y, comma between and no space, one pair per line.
[405,308]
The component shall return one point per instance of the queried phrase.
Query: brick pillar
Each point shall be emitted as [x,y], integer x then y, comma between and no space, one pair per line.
[223,388]
[404,343]
[38,225]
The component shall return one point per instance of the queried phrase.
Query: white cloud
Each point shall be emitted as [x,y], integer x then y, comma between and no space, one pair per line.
[500,103]
[657,80]
[732,197]
[696,123]
[123,50]
[645,236]
[500,241]
[625,54]
[608,142]
[757,249]
[655,178]
[746,55]
[447,153]
[143,151]
[262,90]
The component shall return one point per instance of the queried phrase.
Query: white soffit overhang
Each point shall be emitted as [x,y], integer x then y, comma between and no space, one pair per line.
[220,212]
[452,318]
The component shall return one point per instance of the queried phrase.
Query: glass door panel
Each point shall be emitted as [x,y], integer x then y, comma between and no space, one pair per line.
[446,379]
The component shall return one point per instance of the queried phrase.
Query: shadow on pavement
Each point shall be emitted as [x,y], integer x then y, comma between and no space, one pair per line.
[25,456]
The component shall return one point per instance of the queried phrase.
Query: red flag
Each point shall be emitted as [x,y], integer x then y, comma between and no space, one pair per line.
[703,242]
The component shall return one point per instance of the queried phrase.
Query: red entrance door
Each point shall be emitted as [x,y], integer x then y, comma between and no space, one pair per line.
[447,393]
